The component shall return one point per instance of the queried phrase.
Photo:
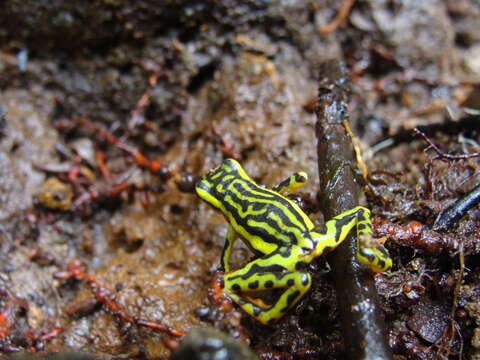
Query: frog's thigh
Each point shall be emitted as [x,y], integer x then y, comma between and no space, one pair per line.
[296,283]
[252,278]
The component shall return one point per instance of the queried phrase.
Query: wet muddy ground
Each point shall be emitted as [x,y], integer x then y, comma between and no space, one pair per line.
[110,111]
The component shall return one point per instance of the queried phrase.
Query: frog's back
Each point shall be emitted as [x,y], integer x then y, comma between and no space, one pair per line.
[259,214]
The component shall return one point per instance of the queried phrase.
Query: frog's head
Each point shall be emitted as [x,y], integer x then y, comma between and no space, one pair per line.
[209,187]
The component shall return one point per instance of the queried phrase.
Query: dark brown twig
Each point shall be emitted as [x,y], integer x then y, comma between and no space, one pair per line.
[440,153]
[362,321]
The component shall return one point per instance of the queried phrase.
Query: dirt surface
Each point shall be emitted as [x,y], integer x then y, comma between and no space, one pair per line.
[98,99]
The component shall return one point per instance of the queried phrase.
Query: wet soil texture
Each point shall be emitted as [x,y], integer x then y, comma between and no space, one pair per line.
[110,110]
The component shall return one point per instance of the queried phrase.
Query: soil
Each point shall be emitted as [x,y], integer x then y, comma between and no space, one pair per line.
[110,109]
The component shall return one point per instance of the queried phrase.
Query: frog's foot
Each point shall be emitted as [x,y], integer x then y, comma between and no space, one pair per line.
[216,294]
[372,253]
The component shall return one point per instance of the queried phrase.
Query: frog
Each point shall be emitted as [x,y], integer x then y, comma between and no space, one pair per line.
[283,239]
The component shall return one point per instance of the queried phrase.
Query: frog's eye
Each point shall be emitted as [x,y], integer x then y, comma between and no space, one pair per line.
[212,171]
[301,177]
[231,165]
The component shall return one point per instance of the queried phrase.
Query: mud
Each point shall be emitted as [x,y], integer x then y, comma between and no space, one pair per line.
[231,79]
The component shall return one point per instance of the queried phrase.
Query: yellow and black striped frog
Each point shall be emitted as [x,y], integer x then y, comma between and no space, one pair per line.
[281,236]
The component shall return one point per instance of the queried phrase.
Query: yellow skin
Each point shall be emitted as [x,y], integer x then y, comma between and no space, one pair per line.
[282,237]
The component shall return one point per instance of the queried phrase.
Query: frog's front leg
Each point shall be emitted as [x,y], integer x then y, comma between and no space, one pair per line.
[290,185]
[215,293]
[265,274]
[227,250]
[370,251]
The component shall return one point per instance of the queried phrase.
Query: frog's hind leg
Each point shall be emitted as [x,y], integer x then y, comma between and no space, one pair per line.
[290,185]
[296,284]
[261,275]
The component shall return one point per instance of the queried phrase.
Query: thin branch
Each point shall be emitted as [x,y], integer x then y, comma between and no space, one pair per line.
[362,320]
[440,153]
[341,16]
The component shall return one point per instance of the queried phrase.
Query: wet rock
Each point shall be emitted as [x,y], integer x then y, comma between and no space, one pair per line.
[211,344]
[29,140]
[429,320]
